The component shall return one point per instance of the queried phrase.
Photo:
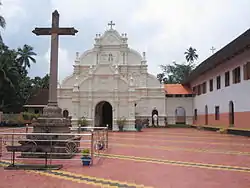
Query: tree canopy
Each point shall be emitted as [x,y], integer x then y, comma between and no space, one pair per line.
[2,24]
[15,84]
[177,72]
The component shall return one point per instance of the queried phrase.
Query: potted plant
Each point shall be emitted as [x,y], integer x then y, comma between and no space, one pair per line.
[82,122]
[138,124]
[121,122]
[86,158]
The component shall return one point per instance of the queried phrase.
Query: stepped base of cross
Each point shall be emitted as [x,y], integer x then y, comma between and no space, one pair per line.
[51,146]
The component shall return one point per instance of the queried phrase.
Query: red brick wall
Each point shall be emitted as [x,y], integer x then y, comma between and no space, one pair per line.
[241,120]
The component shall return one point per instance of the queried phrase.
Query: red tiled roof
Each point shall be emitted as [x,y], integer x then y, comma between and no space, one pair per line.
[41,97]
[177,89]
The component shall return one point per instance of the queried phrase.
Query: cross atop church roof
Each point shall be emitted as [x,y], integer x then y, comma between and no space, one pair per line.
[111,24]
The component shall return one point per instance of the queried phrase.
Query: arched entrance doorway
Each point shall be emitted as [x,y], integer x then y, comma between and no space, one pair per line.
[206,115]
[65,113]
[104,114]
[180,115]
[231,114]
[154,111]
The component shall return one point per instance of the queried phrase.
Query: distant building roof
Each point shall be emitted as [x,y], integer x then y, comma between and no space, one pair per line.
[41,97]
[177,89]
[237,46]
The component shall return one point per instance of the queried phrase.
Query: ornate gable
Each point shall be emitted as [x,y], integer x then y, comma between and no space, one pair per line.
[103,69]
[110,37]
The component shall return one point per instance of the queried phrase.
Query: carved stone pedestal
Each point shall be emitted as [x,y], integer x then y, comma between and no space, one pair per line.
[51,121]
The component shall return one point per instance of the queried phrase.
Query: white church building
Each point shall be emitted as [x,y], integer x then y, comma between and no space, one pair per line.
[111,81]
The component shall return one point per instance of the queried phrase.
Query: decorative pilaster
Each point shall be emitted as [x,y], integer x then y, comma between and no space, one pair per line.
[97,40]
[131,104]
[144,60]
[90,98]
[77,64]
[75,102]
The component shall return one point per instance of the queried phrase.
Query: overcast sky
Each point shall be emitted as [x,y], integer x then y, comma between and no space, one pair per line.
[162,28]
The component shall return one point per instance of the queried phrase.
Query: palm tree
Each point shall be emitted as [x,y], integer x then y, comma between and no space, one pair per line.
[191,55]
[2,24]
[8,70]
[25,55]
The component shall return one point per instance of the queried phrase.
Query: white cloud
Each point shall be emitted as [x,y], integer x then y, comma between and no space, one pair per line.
[96,10]
[164,28]
[65,64]
[201,24]
[42,66]
[13,10]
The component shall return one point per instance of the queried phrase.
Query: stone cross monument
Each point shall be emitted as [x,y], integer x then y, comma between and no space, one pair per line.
[52,121]
[54,31]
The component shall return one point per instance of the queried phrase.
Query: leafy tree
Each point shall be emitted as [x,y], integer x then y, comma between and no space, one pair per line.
[2,24]
[39,82]
[8,70]
[9,75]
[178,72]
[161,77]
[15,85]
[175,73]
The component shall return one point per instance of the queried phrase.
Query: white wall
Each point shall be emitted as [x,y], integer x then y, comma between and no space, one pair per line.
[172,103]
[238,93]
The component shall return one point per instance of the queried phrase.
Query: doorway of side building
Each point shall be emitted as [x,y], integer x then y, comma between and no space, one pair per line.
[180,115]
[154,111]
[104,115]
[231,114]
[206,115]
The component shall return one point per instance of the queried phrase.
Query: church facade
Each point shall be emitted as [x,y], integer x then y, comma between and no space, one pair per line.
[111,82]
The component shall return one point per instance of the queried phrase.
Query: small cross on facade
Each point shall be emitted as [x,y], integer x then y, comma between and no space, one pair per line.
[213,49]
[111,24]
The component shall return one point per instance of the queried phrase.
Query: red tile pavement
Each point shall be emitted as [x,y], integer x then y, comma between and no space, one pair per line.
[198,143]
[232,160]
[150,174]
[210,138]
[164,176]
[22,179]
[176,143]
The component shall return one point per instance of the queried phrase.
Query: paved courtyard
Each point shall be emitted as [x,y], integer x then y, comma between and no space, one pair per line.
[157,158]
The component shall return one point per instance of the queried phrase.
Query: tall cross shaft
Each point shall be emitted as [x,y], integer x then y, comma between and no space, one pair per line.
[54,31]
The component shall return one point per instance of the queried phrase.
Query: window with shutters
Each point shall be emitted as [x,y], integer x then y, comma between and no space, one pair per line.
[247,71]
[236,75]
[194,89]
[211,85]
[227,78]
[204,87]
[218,82]
[199,89]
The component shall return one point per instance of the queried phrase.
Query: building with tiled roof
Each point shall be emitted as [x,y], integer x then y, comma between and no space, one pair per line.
[111,81]
[38,101]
